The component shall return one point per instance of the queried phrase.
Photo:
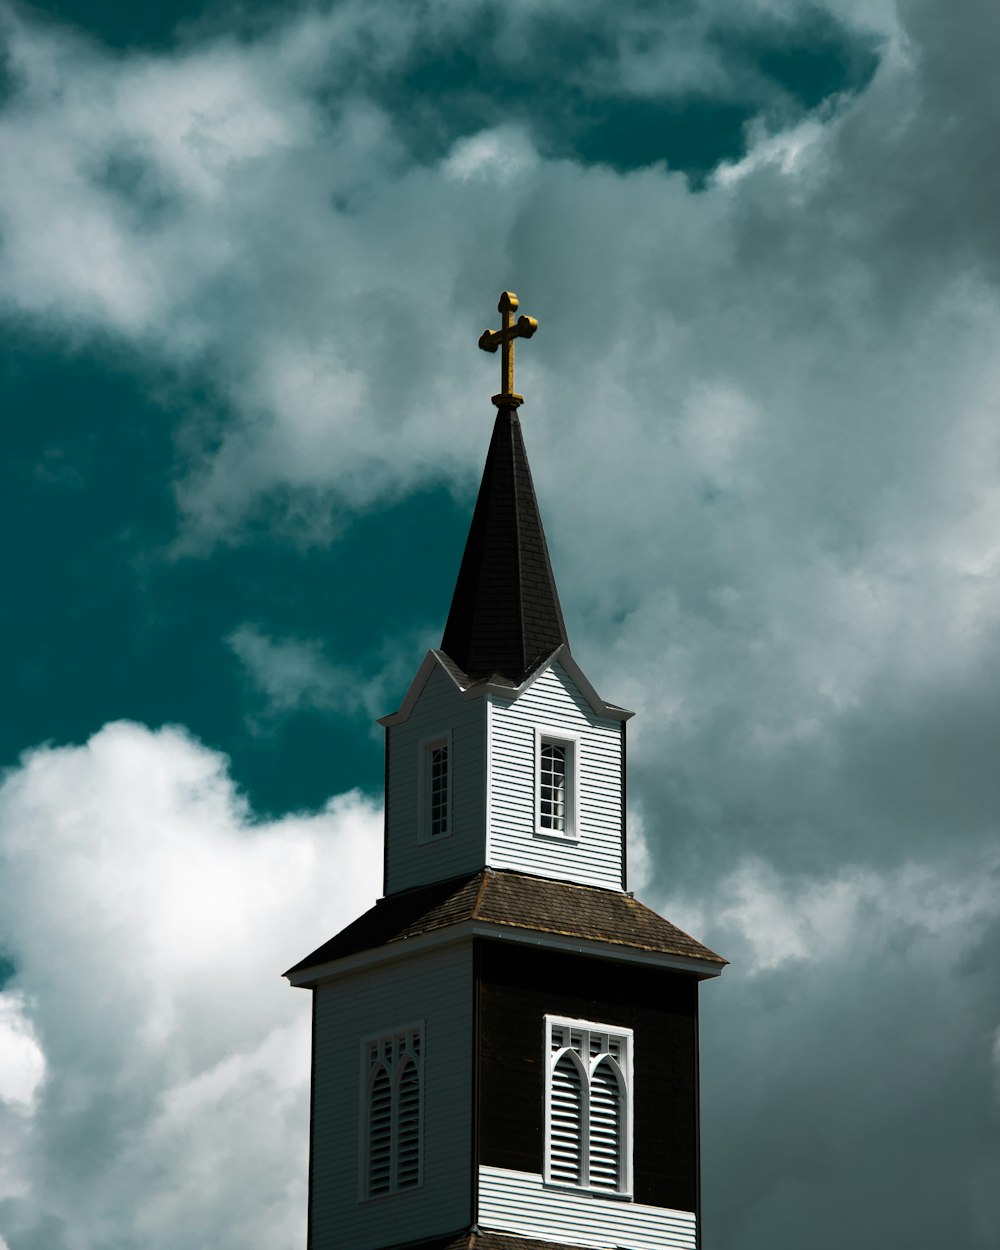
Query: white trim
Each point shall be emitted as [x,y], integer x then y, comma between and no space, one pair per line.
[389,952]
[488,782]
[420,679]
[587,1065]
[424,748]
[521,1204]
[546,734]
[364,1103]
[477,689]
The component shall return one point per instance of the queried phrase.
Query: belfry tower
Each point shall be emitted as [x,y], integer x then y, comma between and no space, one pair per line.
[505,1047]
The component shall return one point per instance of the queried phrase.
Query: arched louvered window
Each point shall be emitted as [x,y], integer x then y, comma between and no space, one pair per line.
[408,1125]
[566,1119]
[379,1130]
[392,1113]
[606,1119]
[588,1119]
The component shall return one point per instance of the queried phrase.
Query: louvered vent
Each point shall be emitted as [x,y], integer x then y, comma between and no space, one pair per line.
[566,1121]
[408,1136]
[394,1114]
[379,1132]
[605,1127]
[589,1106]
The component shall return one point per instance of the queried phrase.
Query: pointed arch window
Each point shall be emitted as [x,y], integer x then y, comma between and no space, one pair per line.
[588,1106]
[392,1112]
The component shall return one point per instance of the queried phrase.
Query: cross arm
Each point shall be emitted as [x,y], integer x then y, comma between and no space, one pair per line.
[523,328]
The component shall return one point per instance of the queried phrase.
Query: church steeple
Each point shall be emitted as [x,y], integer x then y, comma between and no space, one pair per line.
[505,616]
[505,1047]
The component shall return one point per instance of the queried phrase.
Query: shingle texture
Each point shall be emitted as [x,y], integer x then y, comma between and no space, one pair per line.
[505,616]
[518,901]
[475,1239]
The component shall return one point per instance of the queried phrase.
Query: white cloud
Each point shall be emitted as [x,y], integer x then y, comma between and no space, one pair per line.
[787,151]
[775,919]
[496,156]
[294,673]
[149,917]
[22,1064]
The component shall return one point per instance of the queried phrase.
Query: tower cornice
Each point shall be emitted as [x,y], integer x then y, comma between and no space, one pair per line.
[509,906]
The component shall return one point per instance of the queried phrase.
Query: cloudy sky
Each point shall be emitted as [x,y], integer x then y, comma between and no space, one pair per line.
[245,255]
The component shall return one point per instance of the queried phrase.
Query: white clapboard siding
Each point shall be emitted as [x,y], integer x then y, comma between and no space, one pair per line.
[594,856]
[439,709]
[435,990]
[519,1203]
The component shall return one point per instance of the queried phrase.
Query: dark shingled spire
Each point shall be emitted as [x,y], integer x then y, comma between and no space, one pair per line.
[505,616]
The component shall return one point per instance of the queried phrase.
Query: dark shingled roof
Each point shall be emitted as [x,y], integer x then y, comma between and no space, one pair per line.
[475,1239]
[518,901]
[505,616]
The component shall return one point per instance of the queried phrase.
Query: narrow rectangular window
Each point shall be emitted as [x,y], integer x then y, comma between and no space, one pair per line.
[435,815]
[588,1106]
[555,784]
[391,1113]
[552,793]
[439,789]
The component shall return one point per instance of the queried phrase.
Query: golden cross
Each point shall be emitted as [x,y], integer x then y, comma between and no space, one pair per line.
[490,340]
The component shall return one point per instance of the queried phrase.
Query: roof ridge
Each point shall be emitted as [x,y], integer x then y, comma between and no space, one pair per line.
[480,893]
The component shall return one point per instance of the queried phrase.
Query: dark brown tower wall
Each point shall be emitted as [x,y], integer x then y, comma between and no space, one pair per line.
[517,987]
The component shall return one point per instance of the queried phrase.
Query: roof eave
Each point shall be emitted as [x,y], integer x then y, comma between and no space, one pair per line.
[469,688]
[403,948]
[430,661]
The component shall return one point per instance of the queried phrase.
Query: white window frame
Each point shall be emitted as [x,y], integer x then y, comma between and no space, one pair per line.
[425,748]
[364,1127]
[625,1037]
[571,742]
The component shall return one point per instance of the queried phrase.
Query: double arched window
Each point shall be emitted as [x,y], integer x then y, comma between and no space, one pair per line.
[588,1105]
[392,1113]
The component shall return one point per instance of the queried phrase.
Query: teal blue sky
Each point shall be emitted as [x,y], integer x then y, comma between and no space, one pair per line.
[246,252]
[110,623]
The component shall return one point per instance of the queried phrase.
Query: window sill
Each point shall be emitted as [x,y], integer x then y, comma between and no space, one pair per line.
[551,835]
[592,1191]
[425,839]
[396,1193]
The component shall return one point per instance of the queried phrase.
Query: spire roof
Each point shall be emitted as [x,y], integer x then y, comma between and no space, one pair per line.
[505,617]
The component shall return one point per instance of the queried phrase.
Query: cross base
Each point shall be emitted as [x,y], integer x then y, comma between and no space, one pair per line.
[508,399]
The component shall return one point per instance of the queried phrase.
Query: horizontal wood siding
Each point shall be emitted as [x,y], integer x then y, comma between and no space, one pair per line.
[518,987]
[410,862]
[519,1202]
[437,989]
[595,856]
